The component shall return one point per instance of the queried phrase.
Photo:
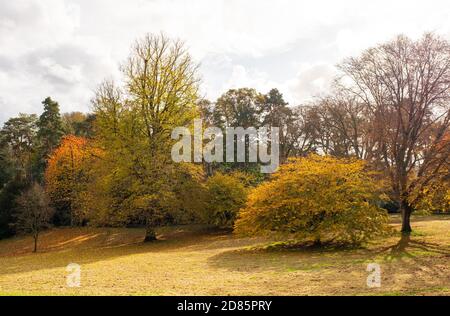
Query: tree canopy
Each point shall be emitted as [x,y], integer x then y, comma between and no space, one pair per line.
[317,199]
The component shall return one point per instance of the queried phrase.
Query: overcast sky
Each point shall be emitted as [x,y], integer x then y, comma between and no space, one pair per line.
[65,48]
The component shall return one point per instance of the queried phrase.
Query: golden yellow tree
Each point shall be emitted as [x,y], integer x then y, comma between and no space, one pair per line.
[317,199]
[134,123]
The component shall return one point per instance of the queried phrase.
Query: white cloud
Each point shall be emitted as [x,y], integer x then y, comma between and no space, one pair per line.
[311,81]
[241,77]
[64,48]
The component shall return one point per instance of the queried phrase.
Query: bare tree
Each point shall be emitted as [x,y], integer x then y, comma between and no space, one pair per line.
[346,122]
[33,213]
[405,85]
[301,131]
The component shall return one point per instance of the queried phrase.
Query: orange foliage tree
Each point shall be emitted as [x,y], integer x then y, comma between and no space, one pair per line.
[66,176]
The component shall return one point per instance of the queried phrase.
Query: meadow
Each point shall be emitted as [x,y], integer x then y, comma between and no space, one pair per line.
[198,260]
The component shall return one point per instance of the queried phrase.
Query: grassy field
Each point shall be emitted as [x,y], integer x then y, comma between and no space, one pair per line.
[196,261]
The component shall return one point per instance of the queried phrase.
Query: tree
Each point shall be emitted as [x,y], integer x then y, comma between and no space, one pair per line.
[206,111]
[6,168]
[18,136]
[65,177]
[78,124]
[405,85]
[50,126]
[238,108]
[33,213]
[10,186]
[302,133]
[8,195]
[188,198]
[316,199]
[342,126]
[434,196]
[50,131]
[135,124]
[17,150]
[275,112]
[226,195]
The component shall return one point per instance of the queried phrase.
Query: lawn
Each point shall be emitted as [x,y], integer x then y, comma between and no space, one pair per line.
[194,260]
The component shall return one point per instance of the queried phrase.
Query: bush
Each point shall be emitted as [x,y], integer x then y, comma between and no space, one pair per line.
[226,194]
[318,199]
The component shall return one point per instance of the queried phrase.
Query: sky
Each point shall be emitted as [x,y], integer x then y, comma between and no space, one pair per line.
[65,48]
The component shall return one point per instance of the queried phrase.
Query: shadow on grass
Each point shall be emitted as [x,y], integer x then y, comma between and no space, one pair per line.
[413,254]
[227,252]
[414,259]
[282,256]
[410,248]
[60,247]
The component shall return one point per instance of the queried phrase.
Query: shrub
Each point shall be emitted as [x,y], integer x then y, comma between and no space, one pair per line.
[320,199]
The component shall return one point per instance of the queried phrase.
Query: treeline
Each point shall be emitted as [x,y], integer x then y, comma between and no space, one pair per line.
[26,143]
[380,139]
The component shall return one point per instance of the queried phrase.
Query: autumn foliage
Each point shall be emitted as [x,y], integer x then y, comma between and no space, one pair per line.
[66,176]
[319,199]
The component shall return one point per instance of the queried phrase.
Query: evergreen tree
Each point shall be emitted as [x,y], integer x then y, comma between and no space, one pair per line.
[50,126]
[50,131]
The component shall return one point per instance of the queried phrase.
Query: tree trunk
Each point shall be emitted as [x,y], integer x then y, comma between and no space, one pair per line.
[406,211]
[150,234]
[35,242]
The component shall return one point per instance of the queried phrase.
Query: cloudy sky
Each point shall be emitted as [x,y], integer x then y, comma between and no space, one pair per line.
[64,48]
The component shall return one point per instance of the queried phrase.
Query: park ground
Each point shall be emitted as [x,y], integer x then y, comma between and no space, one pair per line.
[194,260]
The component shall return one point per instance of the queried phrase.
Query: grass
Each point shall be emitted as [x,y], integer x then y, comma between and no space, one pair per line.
[194,260]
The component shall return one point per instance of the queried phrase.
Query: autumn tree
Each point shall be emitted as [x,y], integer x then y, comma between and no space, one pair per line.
[33,212]
[434,196]
[135,123]
[65,177]
[189,195]
[316,199]
[405,85]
